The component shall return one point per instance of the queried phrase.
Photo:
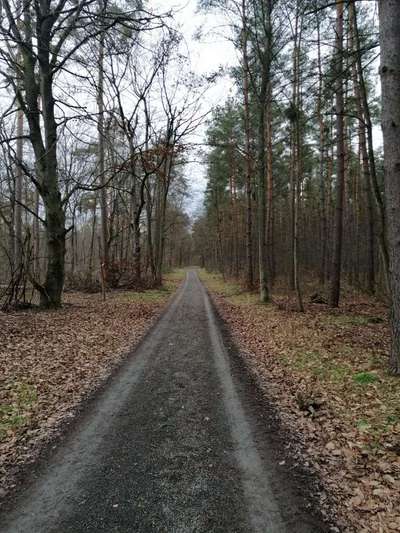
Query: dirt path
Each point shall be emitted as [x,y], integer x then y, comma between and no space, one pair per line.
[175,443]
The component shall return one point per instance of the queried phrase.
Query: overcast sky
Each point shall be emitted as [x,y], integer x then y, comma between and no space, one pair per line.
[207,54]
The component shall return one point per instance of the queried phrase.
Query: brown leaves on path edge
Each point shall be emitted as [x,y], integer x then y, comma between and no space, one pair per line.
[51,361]
[326,374]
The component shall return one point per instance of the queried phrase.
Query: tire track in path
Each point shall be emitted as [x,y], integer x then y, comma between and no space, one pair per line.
[171,445]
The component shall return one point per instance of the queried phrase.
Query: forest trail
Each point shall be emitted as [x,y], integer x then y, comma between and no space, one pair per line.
[175,443]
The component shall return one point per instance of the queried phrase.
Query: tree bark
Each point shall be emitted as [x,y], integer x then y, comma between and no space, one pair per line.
[322,186]
[150,241]
[270,189]
[18,191]
[265,57]
[370,147]
[261,207]
[101,158]
[36,237]
[249,166]
[334,295]
[389,19]
[39,82]
[296,170]
[51,294]
[364,159]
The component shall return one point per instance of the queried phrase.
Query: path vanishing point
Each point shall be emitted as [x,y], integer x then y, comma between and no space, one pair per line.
[176,443]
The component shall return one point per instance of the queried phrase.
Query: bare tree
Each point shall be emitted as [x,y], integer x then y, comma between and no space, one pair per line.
[48,38]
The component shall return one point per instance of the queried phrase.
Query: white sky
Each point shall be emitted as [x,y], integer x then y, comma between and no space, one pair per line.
[207,55]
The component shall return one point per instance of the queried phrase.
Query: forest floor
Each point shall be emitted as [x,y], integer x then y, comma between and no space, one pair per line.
[325,371]
[180,440]
[53,360]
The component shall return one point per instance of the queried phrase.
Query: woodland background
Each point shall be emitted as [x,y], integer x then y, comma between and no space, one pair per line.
[99,109]
[101,118]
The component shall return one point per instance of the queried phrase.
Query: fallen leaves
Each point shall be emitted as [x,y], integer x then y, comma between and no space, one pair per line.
[51,361]
[326,373]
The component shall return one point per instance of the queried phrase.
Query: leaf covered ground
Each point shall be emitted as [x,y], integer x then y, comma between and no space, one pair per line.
[52,360]
[325,371]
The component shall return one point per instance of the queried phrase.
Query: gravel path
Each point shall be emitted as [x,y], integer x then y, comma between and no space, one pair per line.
[173,444]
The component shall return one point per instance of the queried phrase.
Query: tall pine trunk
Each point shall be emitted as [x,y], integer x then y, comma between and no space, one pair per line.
[389,18]
[340,157]
[270,188]
[264,94]
[322,158]
[374,184]
[364,159]
[261,204]
[249,166]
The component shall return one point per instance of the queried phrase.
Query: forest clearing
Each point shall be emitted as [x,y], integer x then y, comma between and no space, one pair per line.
[200,266]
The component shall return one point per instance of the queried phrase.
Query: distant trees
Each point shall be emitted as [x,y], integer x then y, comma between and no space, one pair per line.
[311,185]
[97,103]
[304,117]
[41,40]
[91,162]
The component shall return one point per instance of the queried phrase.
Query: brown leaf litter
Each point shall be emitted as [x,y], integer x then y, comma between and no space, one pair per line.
[325,371]
[52,360]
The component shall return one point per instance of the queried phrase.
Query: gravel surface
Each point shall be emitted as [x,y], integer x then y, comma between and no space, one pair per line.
[175,443]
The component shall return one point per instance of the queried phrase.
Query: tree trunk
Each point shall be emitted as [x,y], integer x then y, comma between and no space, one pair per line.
[389,18]
[162,188]
[261,207]
[137,249]
[92,240]
[371,154]
[150,245]
[36,237]
[340,173]
[51,292]
[101,158]
[264,94]
[249,166]
[158,229]
[322,188]
[270,189]
[18,192]
[364,160]
[299,179]
[296,170]
[55,237]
